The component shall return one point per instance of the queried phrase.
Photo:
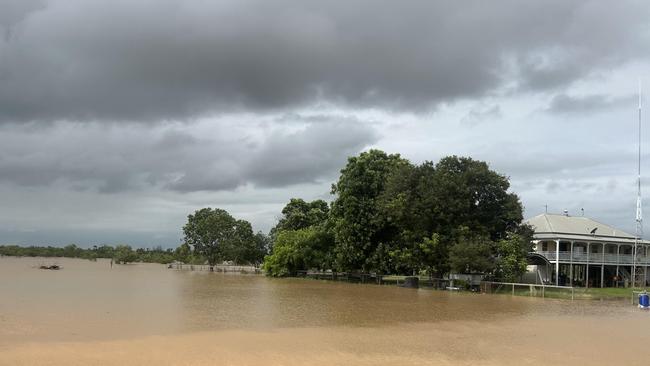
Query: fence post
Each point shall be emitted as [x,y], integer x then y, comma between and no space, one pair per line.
[513,289]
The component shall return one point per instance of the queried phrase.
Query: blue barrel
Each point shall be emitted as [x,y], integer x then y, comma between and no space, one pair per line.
[644,300]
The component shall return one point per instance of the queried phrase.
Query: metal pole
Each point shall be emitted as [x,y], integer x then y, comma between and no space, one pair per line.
[571,266]
[557,263]
[588,254]
[639,202]
[602,267]
[618,260]
[634,264]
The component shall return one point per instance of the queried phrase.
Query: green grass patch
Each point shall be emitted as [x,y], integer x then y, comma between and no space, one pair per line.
[578,293]
[606,293]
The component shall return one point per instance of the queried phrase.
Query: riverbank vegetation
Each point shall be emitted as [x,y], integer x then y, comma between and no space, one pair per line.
[119,253]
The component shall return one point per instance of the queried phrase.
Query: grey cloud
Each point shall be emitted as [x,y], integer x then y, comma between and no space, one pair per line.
[88,238]
[481,113]
[121,157]
[552,187]
[593,37]
[168,60]
[12,12]
[567,104]
[316,152]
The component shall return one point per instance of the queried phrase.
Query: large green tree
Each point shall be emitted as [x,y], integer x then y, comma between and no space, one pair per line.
[407,204]
[251,248]
[299,214]
[391,216]
[297,250]
[471,254]
[437,200]
[363,234]
[427,255]
[409,201]
[468,194]
[217,236]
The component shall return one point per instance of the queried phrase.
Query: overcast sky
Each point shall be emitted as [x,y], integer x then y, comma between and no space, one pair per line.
[119,118]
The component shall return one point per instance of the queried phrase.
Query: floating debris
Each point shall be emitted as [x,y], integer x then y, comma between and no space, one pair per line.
[54,267]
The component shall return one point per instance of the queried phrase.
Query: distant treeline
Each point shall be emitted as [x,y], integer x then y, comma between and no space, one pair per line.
[119,253]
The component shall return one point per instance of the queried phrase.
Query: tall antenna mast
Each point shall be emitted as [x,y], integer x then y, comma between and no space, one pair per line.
[639,210]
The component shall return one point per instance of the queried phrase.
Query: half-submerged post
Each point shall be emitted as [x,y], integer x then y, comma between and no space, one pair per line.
[411,282]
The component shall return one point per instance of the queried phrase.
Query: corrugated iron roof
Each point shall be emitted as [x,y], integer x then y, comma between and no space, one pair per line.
[575,227]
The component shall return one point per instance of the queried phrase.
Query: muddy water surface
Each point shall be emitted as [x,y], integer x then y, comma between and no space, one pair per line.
[88,313]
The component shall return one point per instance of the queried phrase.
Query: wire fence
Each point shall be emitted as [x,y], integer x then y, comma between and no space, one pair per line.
[489,287]
[526,289]
[224,268]
[635,296]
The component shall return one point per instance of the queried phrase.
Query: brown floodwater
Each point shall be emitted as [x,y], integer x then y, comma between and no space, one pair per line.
[91,314]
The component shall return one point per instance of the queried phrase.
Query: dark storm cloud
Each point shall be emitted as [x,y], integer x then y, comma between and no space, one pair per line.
[316,152]
[126,157]
[169,60]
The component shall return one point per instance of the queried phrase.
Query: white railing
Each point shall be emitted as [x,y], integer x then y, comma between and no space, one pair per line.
[581,257]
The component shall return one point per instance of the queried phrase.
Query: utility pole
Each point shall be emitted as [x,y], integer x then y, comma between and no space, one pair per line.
[639,209]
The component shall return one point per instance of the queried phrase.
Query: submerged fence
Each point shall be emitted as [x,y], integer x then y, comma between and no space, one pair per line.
[489,287]
[373,278]
[635,296]
[225,268]
[526,289]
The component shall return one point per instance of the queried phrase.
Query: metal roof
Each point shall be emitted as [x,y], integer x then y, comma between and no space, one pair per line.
[549,226]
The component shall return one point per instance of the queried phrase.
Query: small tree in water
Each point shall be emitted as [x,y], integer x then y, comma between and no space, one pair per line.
[216,235]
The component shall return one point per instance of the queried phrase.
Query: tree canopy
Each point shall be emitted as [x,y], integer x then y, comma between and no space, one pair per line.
[391,216]
[298,214]
[358,224]
[217,236]
[297,250]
